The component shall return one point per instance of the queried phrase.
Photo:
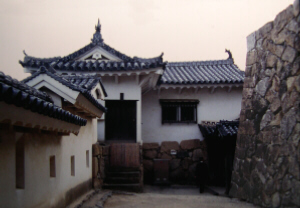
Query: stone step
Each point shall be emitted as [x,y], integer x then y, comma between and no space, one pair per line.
[122,169]
[121,180]
[123,174]
[136,187]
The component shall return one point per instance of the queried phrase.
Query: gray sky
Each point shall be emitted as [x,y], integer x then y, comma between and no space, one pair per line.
[185,30]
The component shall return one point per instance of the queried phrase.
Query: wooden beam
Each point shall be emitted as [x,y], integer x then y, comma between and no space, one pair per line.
[229,88]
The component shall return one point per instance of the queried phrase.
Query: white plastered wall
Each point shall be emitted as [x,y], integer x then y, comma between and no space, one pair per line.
[41,190]
[132,91]
[215,106]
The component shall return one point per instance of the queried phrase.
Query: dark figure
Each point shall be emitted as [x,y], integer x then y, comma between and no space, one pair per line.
[202,177]
[201,174]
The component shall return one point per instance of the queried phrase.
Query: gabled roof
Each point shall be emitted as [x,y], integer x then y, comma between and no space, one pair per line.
[71,62]
[21,95]
[202,72]
[84,89]
[88,82]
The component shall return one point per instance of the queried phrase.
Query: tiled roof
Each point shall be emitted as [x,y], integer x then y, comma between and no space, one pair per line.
[207,129]
[70,63]
[66,82]
[202,72]
[63,65]
[222,128]
[86,81]
[22,95]
[228,128]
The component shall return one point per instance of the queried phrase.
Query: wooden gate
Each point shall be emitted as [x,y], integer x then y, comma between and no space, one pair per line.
[125,155]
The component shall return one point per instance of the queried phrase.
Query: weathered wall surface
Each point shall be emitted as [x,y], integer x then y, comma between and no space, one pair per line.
[41,190]
[267,159]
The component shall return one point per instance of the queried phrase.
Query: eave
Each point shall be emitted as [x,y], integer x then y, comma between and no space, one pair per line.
[26,119]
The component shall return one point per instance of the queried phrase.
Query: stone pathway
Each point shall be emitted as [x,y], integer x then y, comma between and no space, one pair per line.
[164,197]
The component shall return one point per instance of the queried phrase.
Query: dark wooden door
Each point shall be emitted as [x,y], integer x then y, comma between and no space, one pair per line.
[125,155]
[120,120]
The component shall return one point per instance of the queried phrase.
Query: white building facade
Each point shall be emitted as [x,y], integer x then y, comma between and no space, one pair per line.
[150,100]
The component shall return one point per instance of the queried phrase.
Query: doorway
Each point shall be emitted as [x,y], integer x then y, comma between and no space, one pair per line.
[120,120]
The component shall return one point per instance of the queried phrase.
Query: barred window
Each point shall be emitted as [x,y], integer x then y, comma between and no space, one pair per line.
[179,111]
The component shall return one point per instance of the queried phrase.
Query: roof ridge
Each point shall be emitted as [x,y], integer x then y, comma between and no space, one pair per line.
[206,62]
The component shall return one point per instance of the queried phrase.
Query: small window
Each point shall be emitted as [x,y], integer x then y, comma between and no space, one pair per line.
[72,165]
[52,166]
[179,111]
[20,164]
[98,94]
[87,157]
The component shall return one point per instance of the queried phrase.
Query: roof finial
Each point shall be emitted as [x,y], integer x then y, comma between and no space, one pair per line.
[97,37]
[229,53]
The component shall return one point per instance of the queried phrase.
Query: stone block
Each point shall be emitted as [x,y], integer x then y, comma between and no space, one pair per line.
[251,58]
[296,8]
[177,175]
[288,123]
[270,187]
[285,36]
[192,169]
[290,83]
[275,49]
[293,26]
[96,183]
[150,154]
[95,167]
[277,118]
[262,86]
[185,163]
[296,193]
[168,145]
[148,165]
[251,41]
[190,144]
[166,156]
[289,54]
[96,149]
[174,164]
[276,200]
[266,119]
[264,30]
[286,183]
[247,93]
[197,153]
[240,153]
[283,18]
[246,127]
[152,145]
[105,150]
[249,82]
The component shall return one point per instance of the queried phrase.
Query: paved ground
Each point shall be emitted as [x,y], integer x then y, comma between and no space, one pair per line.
[164,197]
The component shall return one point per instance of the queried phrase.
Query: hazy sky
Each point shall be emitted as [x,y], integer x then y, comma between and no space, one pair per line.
[185,30]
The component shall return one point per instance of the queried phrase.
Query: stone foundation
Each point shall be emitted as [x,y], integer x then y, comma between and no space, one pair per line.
[267,158]
[182,166]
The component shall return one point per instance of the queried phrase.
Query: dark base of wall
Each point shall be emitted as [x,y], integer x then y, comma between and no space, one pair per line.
[74,193]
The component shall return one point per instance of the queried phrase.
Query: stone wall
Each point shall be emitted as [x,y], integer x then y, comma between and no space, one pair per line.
[182,166]
[267,159]
[99,161]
